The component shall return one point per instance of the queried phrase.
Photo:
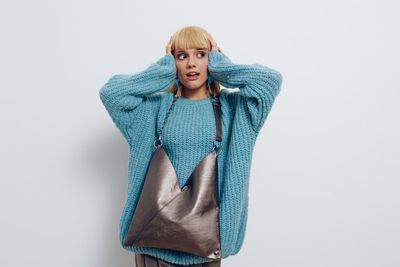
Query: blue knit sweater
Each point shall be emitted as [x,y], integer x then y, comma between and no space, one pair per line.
[137,104]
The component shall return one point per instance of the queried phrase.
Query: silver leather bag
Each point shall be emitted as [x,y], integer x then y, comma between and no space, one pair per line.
[184,219]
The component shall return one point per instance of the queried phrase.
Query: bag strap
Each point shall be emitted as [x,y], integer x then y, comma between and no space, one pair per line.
[218,122]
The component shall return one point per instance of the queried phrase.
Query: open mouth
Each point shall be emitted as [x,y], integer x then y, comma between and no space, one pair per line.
[192,75]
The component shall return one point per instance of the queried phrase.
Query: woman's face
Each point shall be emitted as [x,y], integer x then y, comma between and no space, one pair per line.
[189,61]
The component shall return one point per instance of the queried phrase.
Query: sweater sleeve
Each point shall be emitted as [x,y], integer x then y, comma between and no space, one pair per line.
[123,93]
[258,85]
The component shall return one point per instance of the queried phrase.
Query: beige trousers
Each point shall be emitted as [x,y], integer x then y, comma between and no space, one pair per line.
[144,260]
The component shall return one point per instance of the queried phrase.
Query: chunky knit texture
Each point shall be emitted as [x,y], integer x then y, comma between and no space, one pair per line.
[137,104]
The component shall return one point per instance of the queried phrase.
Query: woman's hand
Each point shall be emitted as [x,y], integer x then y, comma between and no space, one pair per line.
[214,45]
[169,45]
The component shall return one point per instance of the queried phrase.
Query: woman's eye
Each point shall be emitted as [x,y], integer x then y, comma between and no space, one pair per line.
[181,56]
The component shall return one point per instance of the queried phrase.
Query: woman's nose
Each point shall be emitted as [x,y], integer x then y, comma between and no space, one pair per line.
[191,61]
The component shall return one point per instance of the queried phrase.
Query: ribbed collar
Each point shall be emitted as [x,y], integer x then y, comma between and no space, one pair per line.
[193,102]
[183,101]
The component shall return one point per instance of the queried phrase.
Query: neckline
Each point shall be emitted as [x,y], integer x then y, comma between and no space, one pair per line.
[193,102]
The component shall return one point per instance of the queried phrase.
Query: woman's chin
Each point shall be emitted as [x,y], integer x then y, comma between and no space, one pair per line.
[193,85]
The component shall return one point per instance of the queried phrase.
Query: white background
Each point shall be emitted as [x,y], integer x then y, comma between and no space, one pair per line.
[324,187]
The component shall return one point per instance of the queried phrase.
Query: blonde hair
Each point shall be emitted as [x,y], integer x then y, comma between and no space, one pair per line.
[187,38]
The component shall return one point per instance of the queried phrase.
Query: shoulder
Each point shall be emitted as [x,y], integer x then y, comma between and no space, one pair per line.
[229,96]
[148,110]
[154,101]
[145,122]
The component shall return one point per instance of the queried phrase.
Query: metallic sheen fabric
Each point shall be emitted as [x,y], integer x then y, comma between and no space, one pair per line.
[144,260]
[184,219]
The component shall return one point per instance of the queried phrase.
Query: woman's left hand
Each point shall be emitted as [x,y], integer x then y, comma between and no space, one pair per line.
[214,45]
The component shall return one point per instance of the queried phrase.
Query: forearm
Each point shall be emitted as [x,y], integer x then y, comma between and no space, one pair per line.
[258,85]
[122,94]
[250,79]
[157,77]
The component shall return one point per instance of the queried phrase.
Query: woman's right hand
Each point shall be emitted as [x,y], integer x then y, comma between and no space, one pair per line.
[169,45]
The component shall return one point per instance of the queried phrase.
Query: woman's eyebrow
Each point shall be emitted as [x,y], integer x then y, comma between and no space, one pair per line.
[198,49]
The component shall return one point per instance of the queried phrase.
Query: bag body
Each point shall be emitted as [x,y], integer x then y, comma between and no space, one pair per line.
[184,219]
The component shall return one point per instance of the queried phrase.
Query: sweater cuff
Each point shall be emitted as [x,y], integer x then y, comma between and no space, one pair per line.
[215,56]
[167,60]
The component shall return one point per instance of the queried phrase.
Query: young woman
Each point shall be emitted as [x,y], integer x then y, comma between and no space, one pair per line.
[179,99]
